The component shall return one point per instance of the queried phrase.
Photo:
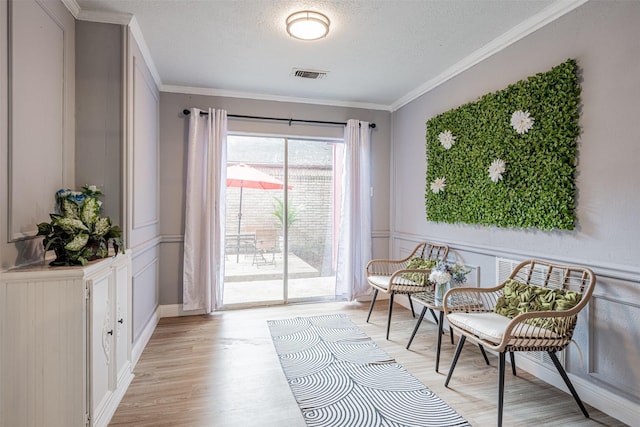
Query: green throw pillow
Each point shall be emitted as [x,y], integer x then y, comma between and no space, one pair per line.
[520,298]
[419,264]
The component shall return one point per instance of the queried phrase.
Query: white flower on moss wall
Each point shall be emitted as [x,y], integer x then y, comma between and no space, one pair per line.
[447,139]
[496,170]
[438,185]
[521,121]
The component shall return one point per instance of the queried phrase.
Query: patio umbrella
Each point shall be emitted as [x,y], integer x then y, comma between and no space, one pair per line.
[244,176]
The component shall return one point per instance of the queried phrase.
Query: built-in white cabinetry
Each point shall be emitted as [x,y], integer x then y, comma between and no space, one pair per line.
[65,335]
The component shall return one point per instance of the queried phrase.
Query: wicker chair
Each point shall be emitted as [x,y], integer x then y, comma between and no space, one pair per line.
[390,276]
[546,321]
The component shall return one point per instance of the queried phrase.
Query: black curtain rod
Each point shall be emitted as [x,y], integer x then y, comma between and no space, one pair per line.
[275,119]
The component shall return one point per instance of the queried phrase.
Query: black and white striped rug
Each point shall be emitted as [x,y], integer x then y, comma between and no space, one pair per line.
[341,378]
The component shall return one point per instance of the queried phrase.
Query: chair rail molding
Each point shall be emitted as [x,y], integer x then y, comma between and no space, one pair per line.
[602,268]
[172,238]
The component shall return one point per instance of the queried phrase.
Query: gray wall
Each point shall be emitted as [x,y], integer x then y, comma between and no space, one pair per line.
[603,37]
[37,138]
[99,105]
[173,137]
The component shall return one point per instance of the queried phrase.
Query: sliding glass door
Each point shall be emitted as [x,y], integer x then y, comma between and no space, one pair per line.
[254,262]
[281,219]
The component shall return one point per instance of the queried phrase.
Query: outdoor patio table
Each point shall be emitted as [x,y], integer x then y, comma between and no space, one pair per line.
[240,243]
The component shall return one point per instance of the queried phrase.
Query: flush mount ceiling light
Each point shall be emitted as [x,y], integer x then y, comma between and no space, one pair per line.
[307,25]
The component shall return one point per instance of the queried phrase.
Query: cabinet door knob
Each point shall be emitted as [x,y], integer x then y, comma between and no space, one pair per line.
[121,321]
[110,332]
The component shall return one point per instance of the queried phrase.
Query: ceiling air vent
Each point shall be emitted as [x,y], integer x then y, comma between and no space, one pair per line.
[309,74]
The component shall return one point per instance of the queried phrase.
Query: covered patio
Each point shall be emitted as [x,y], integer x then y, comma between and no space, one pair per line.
[248,282]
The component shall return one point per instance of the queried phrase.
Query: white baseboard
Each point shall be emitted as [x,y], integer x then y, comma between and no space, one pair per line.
[603,400]
[110,409]
[171,310]
[175,310]
[144,337]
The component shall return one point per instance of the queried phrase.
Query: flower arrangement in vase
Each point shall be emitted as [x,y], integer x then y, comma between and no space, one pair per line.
[77,233]
[444,275]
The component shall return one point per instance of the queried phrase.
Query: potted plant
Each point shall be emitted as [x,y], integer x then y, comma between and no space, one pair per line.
[77,233]
[278,212]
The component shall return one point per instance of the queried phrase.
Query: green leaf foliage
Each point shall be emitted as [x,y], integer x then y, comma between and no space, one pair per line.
[537,189]
[77,233]
[278,212]
[115,232]
[102,226]
[78,242]
[70,225]
[44,228]
[69,208]
[90,211]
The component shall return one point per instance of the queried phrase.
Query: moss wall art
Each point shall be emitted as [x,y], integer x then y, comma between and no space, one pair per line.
[508,159]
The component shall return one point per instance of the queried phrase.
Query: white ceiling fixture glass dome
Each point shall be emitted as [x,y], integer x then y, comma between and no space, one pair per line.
[308,25]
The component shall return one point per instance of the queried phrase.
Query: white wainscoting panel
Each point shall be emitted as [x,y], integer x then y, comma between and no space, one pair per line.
[145,289]
[145,148]
[614,344]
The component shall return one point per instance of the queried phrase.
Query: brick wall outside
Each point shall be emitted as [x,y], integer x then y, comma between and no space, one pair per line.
[312,199]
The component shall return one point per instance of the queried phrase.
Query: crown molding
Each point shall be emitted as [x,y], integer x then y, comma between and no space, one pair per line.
[118,19]
[104,17]
[144,49]
[72,6]
[520,31]
[190,90]
[546,16]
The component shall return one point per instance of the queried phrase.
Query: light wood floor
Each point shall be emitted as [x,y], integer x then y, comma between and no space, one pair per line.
[222,370]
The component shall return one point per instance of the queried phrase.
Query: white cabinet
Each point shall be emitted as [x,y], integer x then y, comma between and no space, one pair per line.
[123,324]
[65,335]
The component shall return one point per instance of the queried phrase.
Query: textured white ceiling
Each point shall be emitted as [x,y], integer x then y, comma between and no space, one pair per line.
[378,52]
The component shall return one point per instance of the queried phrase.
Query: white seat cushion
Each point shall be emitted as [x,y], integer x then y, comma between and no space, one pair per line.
[383,282]
[380,281]
[491,326]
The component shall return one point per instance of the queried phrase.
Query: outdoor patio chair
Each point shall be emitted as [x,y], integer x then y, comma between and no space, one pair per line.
[535,309]
[405,276]
[265,246]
